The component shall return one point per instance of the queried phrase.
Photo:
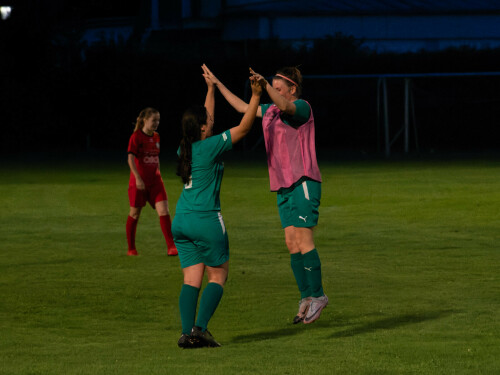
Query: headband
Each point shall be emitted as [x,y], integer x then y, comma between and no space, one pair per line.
[288,79]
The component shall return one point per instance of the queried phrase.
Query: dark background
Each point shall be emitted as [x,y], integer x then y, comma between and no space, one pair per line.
[59,95]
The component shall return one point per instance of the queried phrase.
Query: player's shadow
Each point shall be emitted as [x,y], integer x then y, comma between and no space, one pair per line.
[373,326]
[392,323]
[282,332]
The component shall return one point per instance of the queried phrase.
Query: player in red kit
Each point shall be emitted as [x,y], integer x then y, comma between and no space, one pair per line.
[146,184]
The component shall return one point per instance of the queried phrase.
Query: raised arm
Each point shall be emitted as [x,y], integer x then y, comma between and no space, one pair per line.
[280,101]
[238,132]
[232,99]
[210,98]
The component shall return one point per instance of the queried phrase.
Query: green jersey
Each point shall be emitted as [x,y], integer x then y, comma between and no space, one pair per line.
[202,192]
[300,117]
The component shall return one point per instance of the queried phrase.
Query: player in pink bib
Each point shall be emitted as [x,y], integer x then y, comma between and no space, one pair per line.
[146,184]
[288,127]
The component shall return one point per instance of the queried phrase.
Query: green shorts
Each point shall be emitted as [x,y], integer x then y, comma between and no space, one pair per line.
[201,237]
[298,205]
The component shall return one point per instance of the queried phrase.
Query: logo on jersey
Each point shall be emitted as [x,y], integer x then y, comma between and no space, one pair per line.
[151,159]
[158,145]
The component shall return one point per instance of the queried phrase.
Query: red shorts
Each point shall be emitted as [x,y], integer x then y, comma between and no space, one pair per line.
[152,194]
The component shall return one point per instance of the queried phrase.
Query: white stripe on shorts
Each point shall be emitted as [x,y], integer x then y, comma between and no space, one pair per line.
[222,223]
[306,191]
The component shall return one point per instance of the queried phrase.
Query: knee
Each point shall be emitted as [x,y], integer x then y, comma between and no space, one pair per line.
[218,278]
[162,209]
[217,275]
[292,245]
[305,244]
[193,281]
[134,213]
[162,212]
[220,281]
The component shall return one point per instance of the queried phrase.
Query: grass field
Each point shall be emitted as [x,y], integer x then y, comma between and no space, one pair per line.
[409,250]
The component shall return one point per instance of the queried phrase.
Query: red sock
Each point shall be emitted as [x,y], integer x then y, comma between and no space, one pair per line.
[131,229]
[166,228]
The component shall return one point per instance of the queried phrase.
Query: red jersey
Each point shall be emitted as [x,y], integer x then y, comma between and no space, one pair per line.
[146,149]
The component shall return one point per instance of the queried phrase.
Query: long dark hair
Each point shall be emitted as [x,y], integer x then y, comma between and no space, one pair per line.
[192,121]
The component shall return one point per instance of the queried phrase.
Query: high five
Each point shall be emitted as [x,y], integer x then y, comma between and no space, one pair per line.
[289,134]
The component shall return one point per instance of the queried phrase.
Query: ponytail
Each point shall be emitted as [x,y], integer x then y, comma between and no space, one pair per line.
[192,120]
[143,116]
[185,159]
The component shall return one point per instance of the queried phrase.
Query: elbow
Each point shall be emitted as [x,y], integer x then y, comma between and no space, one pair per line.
[282,107]
[242,108]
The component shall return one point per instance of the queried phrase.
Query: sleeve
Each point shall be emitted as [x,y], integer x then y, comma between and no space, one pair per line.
[302,113]
[218,144]
[133,146]
[264,108]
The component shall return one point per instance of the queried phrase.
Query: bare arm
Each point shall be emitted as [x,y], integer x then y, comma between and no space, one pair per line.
[133,168]
[238,132]
[210,98]
[283,104]
[232,99]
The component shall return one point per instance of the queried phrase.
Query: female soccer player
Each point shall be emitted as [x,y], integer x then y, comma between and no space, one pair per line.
[288,126]
[198,227]
[146,184]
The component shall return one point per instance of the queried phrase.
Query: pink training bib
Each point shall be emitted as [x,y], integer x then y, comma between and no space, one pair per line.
[291,153]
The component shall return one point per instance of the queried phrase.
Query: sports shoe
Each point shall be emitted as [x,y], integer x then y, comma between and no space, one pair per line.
[172,251]
[132,252]
[304,304]
[317,305]
[186,342]
[203,339]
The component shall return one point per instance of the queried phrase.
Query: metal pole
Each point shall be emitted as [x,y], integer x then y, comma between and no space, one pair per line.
[386,119]
[379,82]
[414,121]
[407,115]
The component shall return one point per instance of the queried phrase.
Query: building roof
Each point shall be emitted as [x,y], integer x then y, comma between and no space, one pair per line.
[362,7]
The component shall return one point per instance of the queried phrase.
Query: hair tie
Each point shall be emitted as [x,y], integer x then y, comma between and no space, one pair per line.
[288,79]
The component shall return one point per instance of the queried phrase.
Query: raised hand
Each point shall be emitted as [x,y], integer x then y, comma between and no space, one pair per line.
[256,86]
[210,79]
[259,78]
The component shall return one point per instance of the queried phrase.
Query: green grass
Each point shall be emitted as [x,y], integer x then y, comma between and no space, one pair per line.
[409,250]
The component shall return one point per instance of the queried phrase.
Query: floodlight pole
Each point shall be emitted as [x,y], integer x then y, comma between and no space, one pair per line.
[407,115]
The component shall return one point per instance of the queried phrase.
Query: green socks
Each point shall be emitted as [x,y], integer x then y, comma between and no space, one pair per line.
[187,305]
[188,300]
[297,263]
[210,299]
[312,268]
